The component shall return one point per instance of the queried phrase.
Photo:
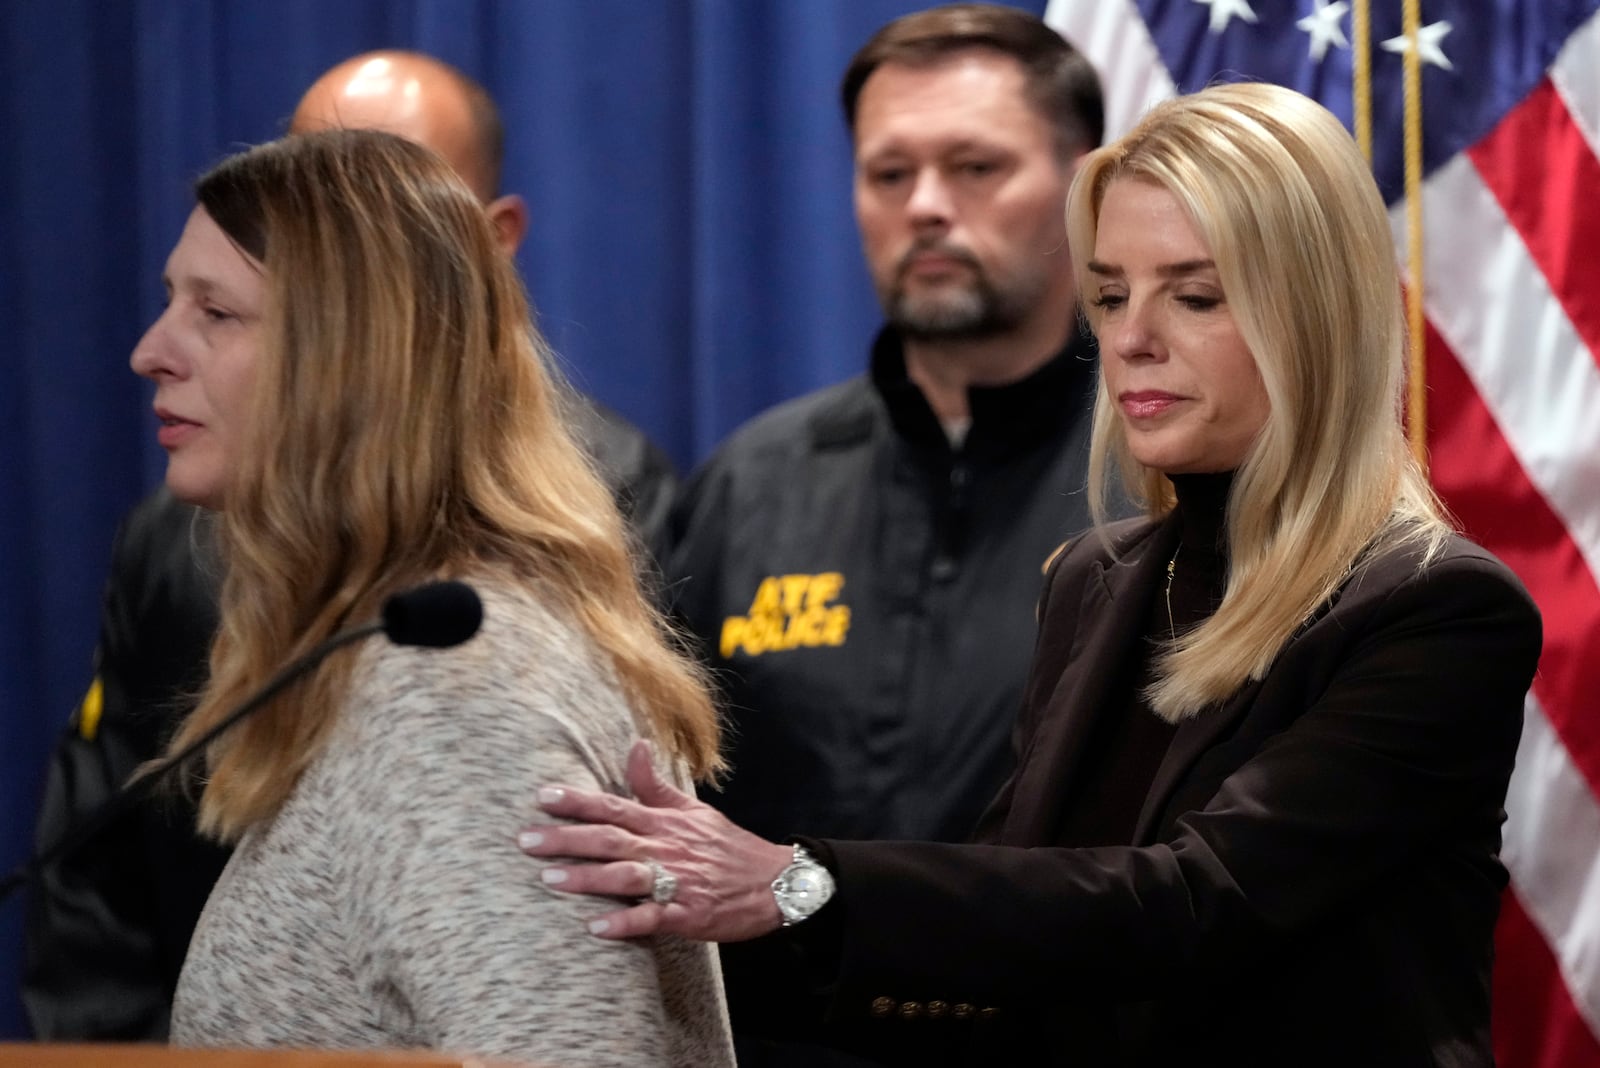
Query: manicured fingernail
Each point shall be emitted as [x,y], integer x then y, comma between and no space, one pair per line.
[553,875]
[599,926]
[530,840]
[551,795]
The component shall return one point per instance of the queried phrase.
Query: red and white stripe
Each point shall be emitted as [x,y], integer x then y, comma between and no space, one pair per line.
[1512,291]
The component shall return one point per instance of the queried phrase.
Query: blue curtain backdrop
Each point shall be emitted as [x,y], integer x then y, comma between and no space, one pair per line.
[693,254]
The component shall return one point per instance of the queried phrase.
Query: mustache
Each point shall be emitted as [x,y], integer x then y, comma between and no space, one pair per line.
[938,248]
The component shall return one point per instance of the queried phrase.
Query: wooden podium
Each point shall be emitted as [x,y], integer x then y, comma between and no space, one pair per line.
[52,1055]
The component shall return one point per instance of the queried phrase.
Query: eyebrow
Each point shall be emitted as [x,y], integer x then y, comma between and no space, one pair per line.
[895,146]
[202,285]
[1168,270]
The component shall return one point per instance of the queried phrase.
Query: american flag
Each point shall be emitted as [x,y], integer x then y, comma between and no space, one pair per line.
[1511,283]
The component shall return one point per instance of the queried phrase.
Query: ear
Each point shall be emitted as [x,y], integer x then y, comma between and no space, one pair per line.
[509,216]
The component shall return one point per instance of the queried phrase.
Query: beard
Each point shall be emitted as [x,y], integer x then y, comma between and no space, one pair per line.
[977,308]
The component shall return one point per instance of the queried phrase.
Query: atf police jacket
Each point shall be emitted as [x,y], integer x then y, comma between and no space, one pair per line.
[866,593]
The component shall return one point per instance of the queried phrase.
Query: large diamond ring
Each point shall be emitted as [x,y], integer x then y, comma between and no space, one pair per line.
[663,884]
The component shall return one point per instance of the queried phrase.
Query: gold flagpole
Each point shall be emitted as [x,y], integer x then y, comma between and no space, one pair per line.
[1417,391]
[1361,73]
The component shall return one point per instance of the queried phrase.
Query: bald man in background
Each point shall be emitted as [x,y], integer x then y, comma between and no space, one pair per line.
[429,102]
[108,927]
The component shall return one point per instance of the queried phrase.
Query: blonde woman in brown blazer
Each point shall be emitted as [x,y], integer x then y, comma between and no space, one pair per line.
[1261,761]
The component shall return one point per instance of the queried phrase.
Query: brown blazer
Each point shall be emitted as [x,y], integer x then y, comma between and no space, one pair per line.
[1314,877]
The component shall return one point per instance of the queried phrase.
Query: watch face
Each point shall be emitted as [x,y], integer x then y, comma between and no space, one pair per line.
[802,888]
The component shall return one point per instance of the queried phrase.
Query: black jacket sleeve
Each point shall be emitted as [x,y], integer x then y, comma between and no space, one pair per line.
[640,475]
[108,924]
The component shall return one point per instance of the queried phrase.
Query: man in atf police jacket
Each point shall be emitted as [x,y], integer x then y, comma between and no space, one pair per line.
[862,564]
[866,591]
[108,928]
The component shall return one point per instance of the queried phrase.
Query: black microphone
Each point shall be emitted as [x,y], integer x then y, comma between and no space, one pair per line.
[436,615]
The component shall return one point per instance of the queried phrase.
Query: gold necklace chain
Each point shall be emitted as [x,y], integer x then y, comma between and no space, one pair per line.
[1172,572]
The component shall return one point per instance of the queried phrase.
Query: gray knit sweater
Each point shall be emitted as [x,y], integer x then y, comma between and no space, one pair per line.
[387,904]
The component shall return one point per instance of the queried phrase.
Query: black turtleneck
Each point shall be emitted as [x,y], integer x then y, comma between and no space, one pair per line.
[1130,741]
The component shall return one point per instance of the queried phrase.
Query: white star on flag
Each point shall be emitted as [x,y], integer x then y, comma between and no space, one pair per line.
[1223,10]
[1323,27]
[1428,38]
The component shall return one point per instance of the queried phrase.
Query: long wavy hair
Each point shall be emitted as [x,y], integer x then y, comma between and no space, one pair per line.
[406,424]
[1289,210]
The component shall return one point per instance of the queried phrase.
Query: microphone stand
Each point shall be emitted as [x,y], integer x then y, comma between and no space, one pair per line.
[142,784]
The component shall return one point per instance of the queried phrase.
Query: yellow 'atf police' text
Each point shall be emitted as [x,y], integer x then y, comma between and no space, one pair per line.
[789,612]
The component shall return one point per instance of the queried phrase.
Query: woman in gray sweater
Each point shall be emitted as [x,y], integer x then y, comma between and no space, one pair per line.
[346,370]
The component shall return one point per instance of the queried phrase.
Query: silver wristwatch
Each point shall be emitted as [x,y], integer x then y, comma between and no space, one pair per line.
[802,888]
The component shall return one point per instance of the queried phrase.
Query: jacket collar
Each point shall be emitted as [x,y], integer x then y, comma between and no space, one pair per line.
[1114,610]
[1004,418]
[1117,596]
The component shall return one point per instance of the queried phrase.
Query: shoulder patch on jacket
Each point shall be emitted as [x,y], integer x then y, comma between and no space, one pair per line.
[87,719]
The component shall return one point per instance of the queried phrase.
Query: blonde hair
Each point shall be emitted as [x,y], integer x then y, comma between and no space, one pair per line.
[1294,221]
[406,425]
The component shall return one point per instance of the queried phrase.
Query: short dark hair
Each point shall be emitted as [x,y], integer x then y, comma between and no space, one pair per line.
[1059,81]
